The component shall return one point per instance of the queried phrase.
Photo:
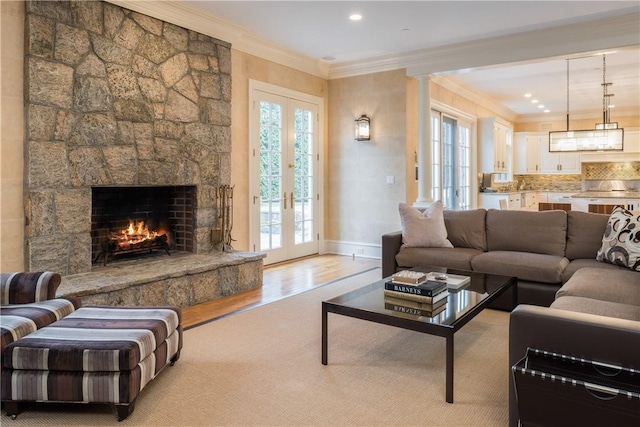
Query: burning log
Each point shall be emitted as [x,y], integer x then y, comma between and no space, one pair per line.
[135,238]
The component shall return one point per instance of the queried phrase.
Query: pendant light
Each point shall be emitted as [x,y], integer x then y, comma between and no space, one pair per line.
[605,137]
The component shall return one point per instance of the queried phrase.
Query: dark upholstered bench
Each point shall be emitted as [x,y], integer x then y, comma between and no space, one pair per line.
[93,355]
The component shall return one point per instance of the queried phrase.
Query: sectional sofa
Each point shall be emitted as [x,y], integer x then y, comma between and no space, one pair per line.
[542,249]
[573,298]
[55,350]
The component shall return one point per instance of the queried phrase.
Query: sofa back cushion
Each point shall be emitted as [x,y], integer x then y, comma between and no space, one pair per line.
[466,229]
[524,231]
[584,234]
[24,288]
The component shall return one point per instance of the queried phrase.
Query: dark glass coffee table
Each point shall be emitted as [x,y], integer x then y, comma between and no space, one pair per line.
[368,303]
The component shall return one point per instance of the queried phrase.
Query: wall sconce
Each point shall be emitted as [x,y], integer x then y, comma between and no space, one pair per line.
[362,128]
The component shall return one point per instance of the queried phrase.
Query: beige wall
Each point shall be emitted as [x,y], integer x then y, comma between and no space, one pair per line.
[11,136]
[245,67]
[361,206]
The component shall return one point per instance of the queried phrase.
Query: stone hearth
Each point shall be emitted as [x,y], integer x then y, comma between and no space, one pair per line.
[180,279]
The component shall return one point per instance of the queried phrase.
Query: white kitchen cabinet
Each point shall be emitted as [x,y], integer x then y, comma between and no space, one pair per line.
[527,154]
[493,137]
[633,204]
[558,163]
[631,143]
[515,201]
[530,200]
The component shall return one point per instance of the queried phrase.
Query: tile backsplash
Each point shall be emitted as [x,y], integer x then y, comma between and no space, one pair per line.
[562,183]
[590,171]
[611,170]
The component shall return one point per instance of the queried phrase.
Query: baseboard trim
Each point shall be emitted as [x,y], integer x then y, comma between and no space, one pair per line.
[357,249]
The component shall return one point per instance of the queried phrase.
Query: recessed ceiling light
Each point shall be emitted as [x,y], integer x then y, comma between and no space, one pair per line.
[547,110]
[355,17]
[527,95]
[534,101]
[540,106]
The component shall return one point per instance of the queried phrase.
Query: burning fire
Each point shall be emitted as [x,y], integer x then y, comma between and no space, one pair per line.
[137,232]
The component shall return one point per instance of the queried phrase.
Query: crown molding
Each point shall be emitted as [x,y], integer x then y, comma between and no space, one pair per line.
[596,116]
[606,33]
[186,16]
[455,85]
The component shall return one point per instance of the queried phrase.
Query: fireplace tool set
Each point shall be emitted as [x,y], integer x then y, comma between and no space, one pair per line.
[222,233]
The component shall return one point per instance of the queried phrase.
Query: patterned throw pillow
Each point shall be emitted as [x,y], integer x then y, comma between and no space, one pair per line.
[424,229]
[621,240]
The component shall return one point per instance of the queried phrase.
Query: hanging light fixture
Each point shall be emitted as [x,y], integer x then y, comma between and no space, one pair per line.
[605,137]
[362,128]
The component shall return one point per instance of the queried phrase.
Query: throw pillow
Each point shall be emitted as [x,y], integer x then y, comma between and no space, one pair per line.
[621,240]
[424,229]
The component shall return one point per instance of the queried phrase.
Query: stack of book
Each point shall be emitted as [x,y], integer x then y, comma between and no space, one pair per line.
[414,293]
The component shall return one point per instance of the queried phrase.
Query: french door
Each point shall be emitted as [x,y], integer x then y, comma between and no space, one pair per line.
[451,157]
[284,176]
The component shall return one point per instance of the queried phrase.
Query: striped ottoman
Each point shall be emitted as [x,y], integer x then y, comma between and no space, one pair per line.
[93,355]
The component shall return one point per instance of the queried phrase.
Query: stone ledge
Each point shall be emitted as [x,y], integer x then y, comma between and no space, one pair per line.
[179,279]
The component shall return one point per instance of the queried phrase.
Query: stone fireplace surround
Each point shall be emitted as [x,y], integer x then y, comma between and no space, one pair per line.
[117,98]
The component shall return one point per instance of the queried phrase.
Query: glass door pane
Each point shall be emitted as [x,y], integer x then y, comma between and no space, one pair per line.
[303,179]
[271,156]
[464,167]
[449,163]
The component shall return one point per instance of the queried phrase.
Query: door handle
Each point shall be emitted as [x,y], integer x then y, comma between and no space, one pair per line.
[285,199]
[291,200]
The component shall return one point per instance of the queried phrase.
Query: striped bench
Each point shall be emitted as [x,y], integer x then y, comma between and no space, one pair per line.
[93,355]
[20,320]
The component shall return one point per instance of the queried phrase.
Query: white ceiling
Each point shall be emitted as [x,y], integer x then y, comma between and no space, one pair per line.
[322,30]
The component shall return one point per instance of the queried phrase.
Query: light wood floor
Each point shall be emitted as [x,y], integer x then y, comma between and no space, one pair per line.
[279,281]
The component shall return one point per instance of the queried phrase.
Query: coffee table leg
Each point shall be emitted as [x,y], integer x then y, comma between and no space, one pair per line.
[325,338]
[450,368]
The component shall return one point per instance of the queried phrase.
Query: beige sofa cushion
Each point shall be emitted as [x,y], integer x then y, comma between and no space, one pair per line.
[523,231]
[467,229]
[598,307]
[614,285]
[523,265]
[458,258]
[577,264]
[584,234]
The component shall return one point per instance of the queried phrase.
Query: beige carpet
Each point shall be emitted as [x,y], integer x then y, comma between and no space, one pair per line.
[263,367]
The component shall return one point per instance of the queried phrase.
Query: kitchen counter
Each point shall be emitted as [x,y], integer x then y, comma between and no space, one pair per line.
[607,195]
[507,193]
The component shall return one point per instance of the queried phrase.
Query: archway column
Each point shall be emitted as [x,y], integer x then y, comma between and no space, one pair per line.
[425,183]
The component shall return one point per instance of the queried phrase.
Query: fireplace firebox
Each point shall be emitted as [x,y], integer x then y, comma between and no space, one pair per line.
[131,221]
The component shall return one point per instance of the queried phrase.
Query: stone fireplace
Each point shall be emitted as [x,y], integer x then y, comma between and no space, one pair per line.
[116,99]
